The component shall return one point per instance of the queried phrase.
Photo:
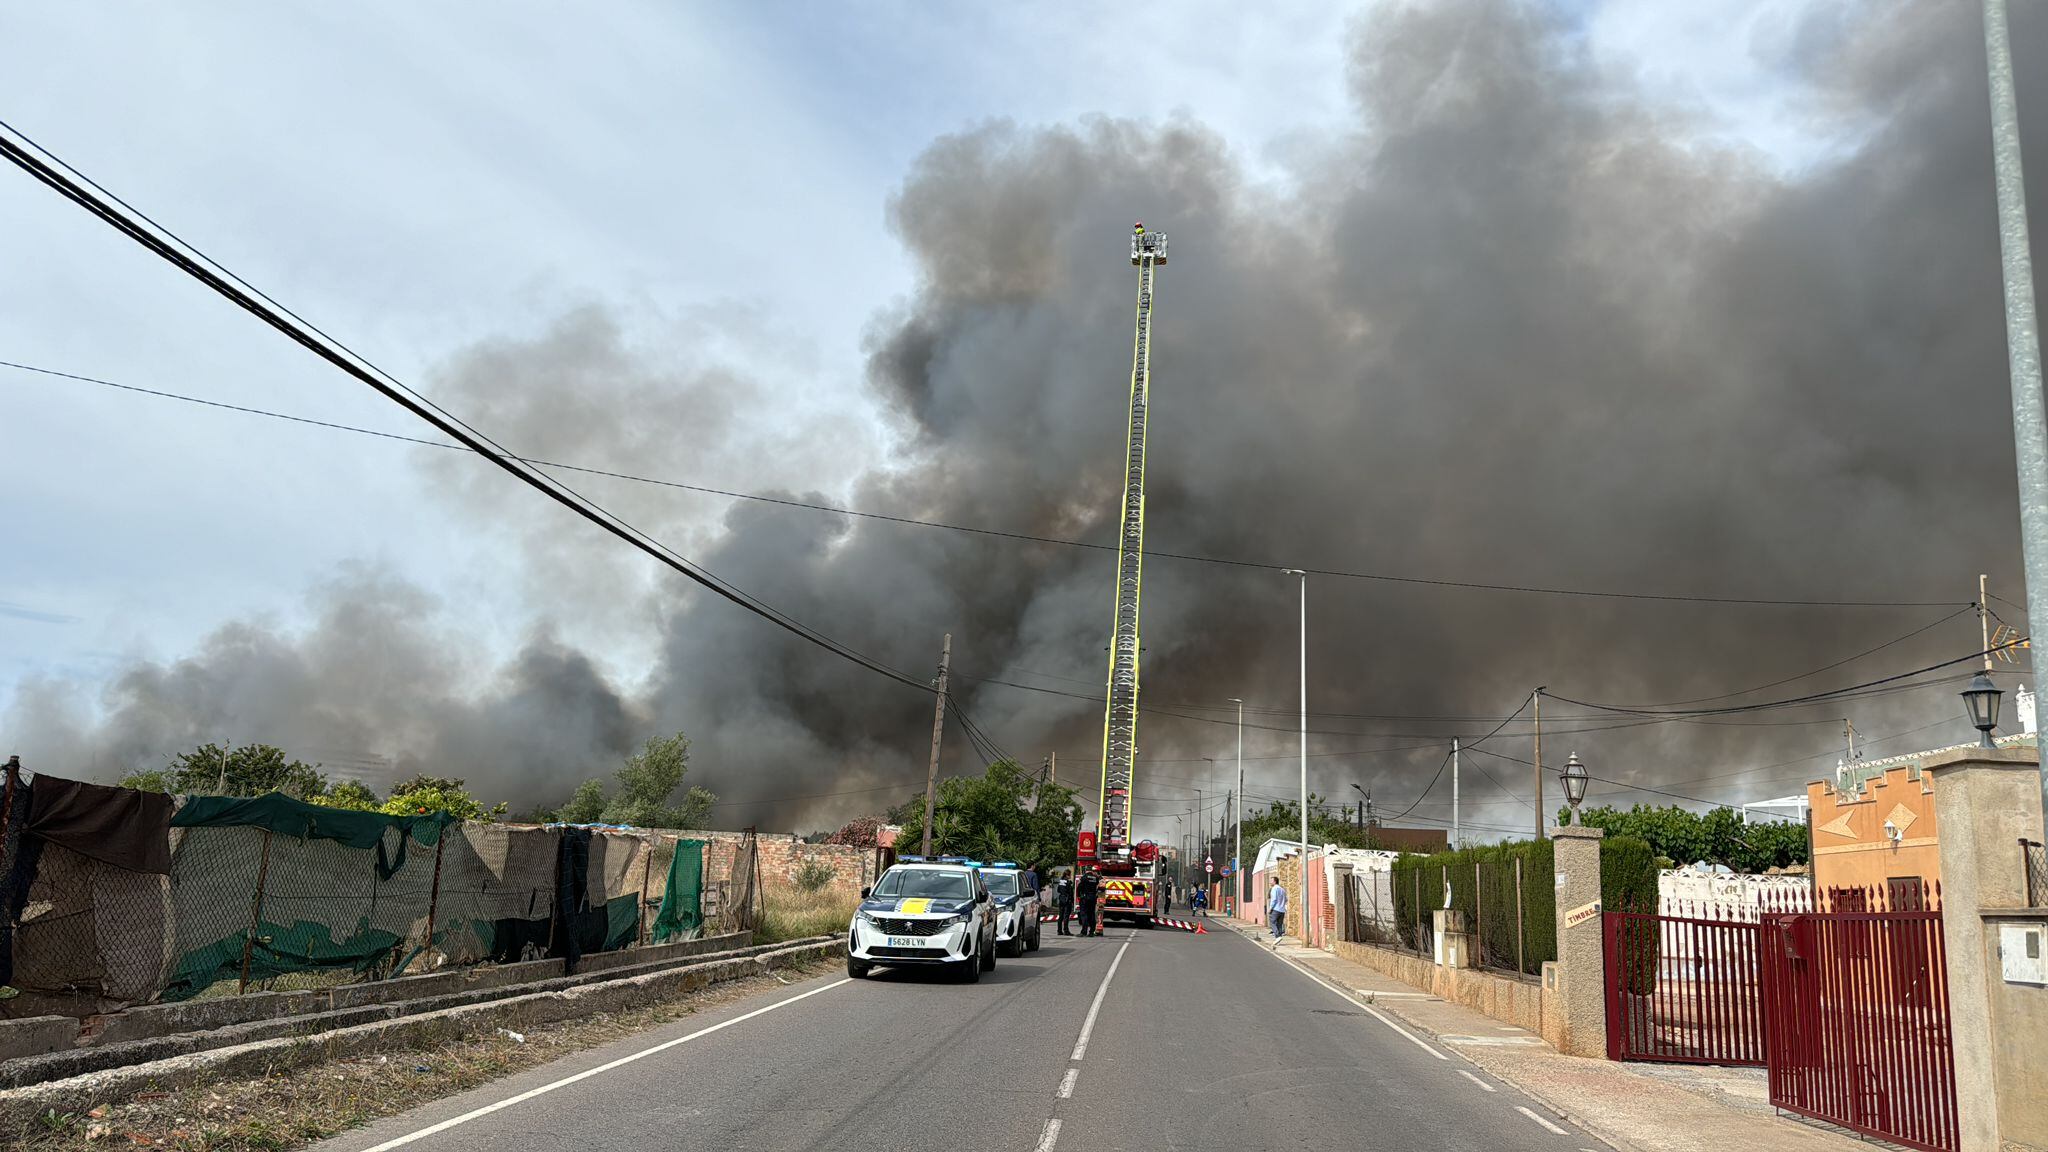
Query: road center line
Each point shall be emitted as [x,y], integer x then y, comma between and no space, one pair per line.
[564,1082]
[1088,1025]
[1048,1137]
[1073,1074]
[1483,1085]
[1540,1120]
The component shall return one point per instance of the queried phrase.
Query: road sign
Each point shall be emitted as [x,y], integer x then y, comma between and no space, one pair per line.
[1209,866]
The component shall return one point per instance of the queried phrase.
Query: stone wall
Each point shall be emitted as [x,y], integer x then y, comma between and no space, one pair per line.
[1506,999]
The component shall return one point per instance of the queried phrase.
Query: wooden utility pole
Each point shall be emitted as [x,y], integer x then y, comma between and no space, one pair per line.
[1537,698]
[931,776]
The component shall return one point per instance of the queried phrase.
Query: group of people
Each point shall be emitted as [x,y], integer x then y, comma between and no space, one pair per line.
[1082,899]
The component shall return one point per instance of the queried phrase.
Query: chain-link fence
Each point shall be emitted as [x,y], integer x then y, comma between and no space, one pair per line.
[109,897]
[2034,859]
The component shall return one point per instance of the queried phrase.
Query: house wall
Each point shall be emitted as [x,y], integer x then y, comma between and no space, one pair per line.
[1850,848]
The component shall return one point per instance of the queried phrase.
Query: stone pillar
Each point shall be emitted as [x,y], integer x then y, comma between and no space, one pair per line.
[1581,957]
[1985,800]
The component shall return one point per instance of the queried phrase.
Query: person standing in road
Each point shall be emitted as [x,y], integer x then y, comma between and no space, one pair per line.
[1276,911]
[1087,892]
[1063,899]
[1198,901]
[1166,898]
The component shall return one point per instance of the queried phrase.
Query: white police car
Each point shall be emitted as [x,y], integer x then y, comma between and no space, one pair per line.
[1016,908]
[929,912]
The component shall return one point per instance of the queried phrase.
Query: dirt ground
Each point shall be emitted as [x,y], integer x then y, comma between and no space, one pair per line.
[301,1105]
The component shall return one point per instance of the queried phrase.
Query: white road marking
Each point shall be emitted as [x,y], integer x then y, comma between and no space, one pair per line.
[1088,1025]
[1540,1120]
[564,1082]
[1049,1137]
[1483,1085]
[1375,1013]
[1067,1082]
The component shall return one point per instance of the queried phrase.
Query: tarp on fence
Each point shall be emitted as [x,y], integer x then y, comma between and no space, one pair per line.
[288,817]
[497,893]
[682,900]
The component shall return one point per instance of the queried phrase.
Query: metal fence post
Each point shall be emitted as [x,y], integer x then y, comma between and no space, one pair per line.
[646,882]
[1520,931]
[255,913]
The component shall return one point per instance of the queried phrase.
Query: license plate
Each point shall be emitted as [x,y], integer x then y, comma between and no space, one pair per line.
[911,942]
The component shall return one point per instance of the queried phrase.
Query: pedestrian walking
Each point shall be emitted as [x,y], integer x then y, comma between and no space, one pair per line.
[1088,891]
[1166,898]
[1276,911]
[1199,900]
[1063,900]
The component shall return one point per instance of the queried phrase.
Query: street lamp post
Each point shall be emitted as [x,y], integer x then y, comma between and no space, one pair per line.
[1301,881]
[1574,784]
[2022,333]
[1981,698]
[1237,809]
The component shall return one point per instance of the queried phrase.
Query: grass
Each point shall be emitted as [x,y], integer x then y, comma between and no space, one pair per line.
[793,914]
[299,1106]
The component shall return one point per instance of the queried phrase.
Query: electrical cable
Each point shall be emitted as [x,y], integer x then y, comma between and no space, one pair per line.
[81,190]
[1025,537]
[1796,700]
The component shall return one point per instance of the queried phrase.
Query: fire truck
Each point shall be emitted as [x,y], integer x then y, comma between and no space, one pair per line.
[1130,871]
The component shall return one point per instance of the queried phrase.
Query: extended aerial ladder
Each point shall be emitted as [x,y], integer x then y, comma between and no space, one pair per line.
[1130,871]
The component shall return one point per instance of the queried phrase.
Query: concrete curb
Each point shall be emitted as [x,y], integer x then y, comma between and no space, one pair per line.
[1615,1140]
[28,1070]
[21,1106]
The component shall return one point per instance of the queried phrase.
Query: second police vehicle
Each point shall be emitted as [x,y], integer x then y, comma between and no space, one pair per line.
[1017,902]
[934,912]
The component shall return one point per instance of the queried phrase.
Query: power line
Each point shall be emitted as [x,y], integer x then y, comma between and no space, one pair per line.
[1796,700]
[83,191]
[1024,537]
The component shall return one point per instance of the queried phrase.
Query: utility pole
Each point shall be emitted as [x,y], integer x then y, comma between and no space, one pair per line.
[1983,622]
[1237,854]
[2022,334]
[1302,881]
[1456,840]
[1537,698]
[931,775]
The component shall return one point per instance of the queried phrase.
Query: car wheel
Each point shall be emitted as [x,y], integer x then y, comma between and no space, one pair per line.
[988,955]
[857,969]
[970,969]
[1031,945]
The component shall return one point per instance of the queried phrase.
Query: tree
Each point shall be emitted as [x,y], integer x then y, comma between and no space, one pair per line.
[1682,836]
[150,780]
[251,770]
[585,804]
[426,794]
[647,781]
[1282,821]
[350,794]
[1005,813]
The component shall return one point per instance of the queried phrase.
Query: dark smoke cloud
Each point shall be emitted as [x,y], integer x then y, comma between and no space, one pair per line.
[1520,325]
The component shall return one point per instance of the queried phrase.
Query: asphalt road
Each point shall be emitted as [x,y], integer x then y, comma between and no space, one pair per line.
[1200,1042]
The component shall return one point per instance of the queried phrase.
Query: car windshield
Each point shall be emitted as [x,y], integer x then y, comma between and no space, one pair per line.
[1002,883]
[931,883]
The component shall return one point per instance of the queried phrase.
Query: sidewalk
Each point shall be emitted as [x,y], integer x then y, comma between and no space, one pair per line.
[1636,1107]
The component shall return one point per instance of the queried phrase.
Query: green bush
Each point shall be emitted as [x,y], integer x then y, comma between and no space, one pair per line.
[1628,883]
[814,874]
[1482,882]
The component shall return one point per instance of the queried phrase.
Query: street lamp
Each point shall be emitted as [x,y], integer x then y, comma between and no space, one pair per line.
[1981,698]
[1237,809]
[1574,784]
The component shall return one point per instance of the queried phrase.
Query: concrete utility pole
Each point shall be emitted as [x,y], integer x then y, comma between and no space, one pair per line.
[1456,840]
[1983,622]
[2022,334]
[1536,697]
[1237,853]
[931,775]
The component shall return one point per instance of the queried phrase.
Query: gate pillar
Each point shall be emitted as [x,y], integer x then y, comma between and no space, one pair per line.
[1580,999]
[1985,801]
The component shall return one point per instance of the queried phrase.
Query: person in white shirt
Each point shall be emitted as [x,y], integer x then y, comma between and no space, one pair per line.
[1276,910]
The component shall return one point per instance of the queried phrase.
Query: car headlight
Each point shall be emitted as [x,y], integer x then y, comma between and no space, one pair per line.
[864,914]
[962,918]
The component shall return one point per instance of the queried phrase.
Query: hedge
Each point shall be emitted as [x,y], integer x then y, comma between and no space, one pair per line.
[1482,884]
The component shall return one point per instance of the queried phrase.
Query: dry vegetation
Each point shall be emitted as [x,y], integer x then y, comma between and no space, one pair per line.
[794,913]
[299,1106]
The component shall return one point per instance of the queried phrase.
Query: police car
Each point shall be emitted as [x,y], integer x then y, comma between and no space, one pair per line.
[925,911]
[1016,908]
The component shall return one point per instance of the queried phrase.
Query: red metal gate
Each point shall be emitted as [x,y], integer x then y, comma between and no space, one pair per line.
[1856,993]
[1683,988]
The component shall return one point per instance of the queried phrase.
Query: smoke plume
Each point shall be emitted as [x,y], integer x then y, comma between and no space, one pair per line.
[1517,325]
